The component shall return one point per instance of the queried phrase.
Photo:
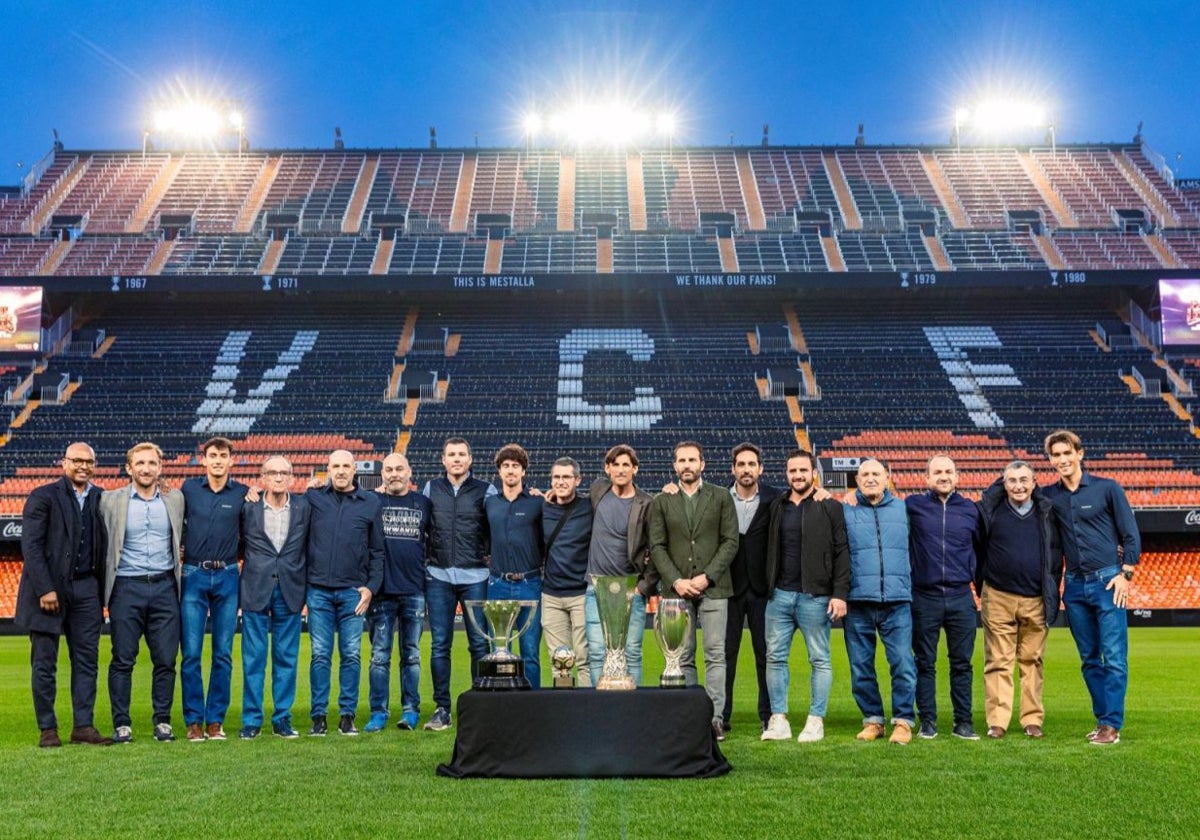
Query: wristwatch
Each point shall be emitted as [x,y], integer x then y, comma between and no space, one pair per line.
[1127,574]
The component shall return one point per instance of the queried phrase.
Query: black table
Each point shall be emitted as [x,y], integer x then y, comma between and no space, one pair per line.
[549,733]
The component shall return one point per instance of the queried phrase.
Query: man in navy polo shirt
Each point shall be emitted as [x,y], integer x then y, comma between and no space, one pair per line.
[212,526]
[515,524]
[1101,542]
[345,569]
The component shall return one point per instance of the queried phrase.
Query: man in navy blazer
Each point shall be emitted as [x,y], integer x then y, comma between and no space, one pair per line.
[62,543]
[275,538]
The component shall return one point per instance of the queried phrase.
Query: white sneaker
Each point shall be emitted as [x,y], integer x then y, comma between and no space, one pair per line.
[778,729]
[814,730]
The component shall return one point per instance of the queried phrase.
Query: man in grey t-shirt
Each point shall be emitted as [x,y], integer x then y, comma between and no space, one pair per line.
[620,546]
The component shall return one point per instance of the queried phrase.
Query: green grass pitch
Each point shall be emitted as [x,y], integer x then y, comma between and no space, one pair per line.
[384,785]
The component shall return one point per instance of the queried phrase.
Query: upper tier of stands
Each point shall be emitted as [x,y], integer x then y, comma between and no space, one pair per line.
[877,209]
[922,371]
[981,375]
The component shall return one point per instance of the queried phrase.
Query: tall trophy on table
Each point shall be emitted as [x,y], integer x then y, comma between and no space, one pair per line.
[671,623]
[614,602]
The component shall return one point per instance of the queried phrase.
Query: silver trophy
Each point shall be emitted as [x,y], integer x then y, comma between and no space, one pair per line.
[614,602]
[672,622]
[496,621]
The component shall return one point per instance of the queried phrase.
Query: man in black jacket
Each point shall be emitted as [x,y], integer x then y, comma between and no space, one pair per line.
[62,542]
[807,572]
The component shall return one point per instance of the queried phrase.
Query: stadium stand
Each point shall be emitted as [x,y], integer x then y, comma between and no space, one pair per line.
[861,368]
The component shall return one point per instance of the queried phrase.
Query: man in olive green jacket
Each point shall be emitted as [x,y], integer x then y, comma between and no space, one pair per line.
[693,539]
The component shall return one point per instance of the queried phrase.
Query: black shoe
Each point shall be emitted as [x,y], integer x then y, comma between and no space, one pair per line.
[718,728]
[965,731]
[249,733]
[318,728]
[284,729]
[726,726]
[346,725]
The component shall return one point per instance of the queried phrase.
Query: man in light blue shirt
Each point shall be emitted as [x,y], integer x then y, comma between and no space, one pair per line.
[142,587]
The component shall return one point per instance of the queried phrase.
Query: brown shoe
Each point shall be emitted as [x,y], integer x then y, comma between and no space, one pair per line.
[870,732]
[1034,731]
[215,732]
[996,732]
[88,735]
[1107,735]
[49,738]
[195,732]
[901,733]
[1091,736]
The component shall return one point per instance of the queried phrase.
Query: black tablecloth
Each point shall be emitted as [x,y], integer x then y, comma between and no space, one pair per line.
[547,733]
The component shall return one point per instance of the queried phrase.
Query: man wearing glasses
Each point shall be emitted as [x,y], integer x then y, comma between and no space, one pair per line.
[275,531]
[62,542]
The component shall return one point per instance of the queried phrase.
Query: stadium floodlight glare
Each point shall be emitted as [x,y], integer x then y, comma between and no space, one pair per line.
[1005,114]
[996,117]
[199,122]
[532,123]
[611,124]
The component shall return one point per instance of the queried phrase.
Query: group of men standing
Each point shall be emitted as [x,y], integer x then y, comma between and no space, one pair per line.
[900,572]
[165,561]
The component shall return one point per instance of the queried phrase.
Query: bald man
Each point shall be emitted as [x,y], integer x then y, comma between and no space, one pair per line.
[62,542]
[345,569]
[399,606]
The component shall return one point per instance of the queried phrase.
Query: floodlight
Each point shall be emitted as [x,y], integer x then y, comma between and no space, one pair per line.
[665,124]
[199,120]
[532,123]
[1001,114]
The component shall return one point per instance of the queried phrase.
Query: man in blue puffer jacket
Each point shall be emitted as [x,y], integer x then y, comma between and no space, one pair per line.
[879,604]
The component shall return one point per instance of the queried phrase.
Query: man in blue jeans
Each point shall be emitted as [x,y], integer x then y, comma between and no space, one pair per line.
[1101,542]
[808,575]
[620,546]
[345,569]
[211,528]
[400,604]
[515,525]
[457,570]
[879,603]
[275,531]
[947,542]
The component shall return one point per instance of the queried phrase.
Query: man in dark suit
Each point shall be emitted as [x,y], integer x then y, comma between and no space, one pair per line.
[62,542]
[275,534]
[693,539]
[748,603]
[144,528]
